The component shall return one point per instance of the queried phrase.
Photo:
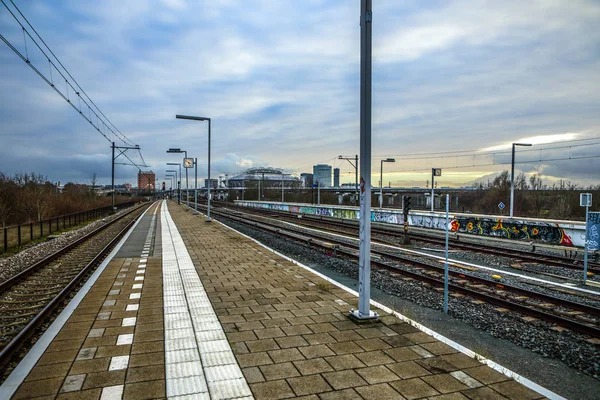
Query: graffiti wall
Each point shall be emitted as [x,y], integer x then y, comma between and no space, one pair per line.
[566,234]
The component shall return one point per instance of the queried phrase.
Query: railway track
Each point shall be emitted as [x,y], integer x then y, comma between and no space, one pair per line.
[579,317]
[30,297]
[350,226]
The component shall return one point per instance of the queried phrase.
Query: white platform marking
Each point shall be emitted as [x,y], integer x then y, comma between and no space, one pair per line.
[192,330]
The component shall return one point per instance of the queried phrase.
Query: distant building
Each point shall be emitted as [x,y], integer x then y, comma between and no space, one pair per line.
[322,175]
[336,177]
[307,179]
[146,180]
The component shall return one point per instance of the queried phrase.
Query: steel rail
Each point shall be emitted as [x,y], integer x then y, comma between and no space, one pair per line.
[15,279]
[7,353]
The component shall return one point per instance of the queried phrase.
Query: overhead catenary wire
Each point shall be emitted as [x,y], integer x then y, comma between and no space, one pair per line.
[103,125]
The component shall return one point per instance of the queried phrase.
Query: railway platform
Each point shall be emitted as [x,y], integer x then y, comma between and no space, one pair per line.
[189,309]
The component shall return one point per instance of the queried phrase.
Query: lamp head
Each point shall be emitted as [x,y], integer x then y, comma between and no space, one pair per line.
[390,160]
[522,144]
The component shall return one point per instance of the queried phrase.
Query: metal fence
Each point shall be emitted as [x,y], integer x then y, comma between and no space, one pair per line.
[16,236]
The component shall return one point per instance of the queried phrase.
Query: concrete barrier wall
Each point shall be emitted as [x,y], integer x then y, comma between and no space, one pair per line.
[566,233]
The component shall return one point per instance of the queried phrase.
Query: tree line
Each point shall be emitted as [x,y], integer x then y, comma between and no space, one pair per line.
[31,197]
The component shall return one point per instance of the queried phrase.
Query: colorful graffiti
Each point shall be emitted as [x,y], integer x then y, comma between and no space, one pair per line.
[545,232]
[517,230]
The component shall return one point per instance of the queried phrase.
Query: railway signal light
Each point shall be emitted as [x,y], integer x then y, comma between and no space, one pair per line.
[406,205]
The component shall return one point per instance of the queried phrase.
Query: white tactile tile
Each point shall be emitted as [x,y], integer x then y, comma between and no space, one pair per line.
[183,369]
[133,296]
[132,307]
[222,373]
[119,362]
[421,351]
[192,329]
[137,286]
[180,344]
[210,335]
[125,339]
[130,321]
[139,278]
[187,385]
[229,389]
[218,358]
[112,392]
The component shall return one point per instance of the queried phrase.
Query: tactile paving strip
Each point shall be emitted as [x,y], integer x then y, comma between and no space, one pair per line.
[199,360]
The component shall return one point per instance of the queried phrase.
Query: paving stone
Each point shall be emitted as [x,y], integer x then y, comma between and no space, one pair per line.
[514,390]
[346,394]
[413,388]
[145,390]
[309,385]
[253,375]
[279,356]
[483,393]
[344,379]
[345,348]
[103,379]
[57,357]
[147,373]
[291,341]
[279,371]
[142,360]
[407,369]
[348,361]
[272,390]
[41,372]
[91,394]
[256,346]
[313,366]
[40,388]
[486,375]
[320,350]
[377,374]
[381,391]
[253,359]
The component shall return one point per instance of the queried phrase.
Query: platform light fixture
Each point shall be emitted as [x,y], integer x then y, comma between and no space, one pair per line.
[178,150]
[194,118]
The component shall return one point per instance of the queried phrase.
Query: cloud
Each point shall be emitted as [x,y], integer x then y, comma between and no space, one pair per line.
[280,81]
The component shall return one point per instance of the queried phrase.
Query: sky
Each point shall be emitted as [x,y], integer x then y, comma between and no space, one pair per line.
[455,83]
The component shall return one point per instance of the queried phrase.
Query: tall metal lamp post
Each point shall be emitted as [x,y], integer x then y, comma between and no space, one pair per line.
[202,119]
[381,180]
[512,175]
[364,262]
[177,183]
[355,165]
[186,172]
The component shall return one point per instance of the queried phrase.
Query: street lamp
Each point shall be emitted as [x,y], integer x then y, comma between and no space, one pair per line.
[177,181]
[170,177]
[180,179]
[512,175]
[355,165]
[202,119]
[171,150]
[283,185]
[381,180]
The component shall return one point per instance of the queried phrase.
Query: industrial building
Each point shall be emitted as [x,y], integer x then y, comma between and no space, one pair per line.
[146,180]
[336,177]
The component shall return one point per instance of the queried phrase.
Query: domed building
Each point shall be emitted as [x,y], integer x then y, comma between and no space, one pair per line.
[267,177]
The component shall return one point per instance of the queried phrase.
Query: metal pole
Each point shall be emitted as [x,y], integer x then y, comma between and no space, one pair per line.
[186,184]
[364,265]
[196,186]
[381,185]
[319,194]
[356,175]
[180,183]
[113,177]
[209,183]
[585,246]
[446,264]
[432,186]
[512,180]
[282,182]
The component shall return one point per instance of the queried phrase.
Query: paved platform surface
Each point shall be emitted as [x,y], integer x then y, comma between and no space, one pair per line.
[208,313]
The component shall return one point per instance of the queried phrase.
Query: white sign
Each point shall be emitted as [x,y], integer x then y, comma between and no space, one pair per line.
[585,199]
[501,206]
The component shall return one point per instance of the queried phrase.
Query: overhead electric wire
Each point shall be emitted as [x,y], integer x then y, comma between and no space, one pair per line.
[96,110]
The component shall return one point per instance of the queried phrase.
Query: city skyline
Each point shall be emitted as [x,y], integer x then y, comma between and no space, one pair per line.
[454,85]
